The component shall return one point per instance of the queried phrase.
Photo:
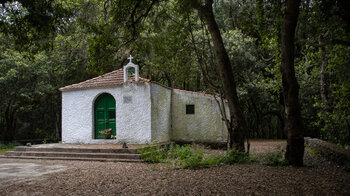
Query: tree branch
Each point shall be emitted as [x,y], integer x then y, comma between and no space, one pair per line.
[326,42]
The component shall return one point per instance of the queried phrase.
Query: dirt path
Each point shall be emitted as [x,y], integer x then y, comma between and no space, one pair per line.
[97,178]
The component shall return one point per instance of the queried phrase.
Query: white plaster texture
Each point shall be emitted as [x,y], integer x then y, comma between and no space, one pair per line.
[203,126]
[133,120]
[161,113]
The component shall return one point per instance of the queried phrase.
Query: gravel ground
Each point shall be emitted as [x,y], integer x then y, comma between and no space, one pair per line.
[99,178]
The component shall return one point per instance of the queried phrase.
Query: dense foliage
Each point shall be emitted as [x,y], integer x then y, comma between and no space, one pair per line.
[45,45]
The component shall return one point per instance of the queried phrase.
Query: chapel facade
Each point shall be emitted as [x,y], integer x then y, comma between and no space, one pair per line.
[138,111]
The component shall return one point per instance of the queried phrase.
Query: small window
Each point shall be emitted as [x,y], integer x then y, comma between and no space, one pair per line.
[111,114]
[127,99]
[189,109]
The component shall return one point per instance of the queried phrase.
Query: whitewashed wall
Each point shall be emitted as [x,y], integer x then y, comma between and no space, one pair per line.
[203,126]
[155,114]
[133,120]
[161,113]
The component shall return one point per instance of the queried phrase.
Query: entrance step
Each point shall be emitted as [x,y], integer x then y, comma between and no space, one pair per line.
[77,150]
[73,159]
[69,154]
[80,154]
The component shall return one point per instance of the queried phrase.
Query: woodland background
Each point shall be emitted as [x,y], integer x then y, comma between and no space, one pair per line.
[45,45]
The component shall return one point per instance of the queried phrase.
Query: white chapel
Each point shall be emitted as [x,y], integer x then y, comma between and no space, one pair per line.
[138,111]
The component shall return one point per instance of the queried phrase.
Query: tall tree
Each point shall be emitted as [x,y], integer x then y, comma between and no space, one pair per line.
[237,126]
[293,125]
[33,24]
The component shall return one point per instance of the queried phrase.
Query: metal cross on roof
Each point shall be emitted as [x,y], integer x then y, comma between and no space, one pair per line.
[130,58]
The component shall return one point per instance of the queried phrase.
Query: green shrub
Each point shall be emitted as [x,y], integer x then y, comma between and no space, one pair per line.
[10,145]
[180,152]
[234,156]
[275,159]
[186,157]
[193,161]
[153,154]
[7,147]
[214,160]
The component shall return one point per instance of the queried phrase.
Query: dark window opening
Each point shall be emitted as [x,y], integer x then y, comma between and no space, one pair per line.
[111,114]
[189,109]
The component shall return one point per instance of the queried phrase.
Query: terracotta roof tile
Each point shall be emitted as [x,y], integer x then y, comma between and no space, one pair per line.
[113,78]
[196,93]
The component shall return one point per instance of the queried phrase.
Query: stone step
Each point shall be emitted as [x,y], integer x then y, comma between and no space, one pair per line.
[72,155]
[73,159]
[77,150]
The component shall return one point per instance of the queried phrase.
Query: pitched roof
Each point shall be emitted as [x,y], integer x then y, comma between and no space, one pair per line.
[116,78]
[113,78]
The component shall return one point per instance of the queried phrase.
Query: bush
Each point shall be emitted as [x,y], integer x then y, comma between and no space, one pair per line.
[193,161]
[153,154]
[7,147]
[186,157]
[214,160]
[233,156]
[180,152]
[275,159]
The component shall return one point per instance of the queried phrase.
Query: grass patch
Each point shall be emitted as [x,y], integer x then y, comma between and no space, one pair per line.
[235,157]
[2,151]
[186,157]
[274,159]
[153,154]
[7,147]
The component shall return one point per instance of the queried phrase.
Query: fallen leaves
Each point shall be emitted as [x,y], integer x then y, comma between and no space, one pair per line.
[99,178]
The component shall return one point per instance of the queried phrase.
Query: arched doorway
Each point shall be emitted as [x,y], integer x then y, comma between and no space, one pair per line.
[104,114]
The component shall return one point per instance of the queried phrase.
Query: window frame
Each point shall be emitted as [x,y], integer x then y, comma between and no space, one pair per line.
[190,109]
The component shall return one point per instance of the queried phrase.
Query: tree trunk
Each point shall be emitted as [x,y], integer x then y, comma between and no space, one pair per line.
[293,126]
[57,126]
[10,121]
[239,128]
[323,84]
[198,80]
[168,79]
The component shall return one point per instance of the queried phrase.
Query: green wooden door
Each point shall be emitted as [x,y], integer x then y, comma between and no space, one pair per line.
[104,114]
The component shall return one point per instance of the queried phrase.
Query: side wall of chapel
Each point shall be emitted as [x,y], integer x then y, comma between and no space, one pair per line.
[203,124]
[161,113]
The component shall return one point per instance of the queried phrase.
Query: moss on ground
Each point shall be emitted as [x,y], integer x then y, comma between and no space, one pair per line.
[7,147]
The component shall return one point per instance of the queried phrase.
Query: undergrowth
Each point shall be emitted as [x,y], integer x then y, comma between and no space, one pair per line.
[153,154]
[187,158]
[275,159]
[7,147]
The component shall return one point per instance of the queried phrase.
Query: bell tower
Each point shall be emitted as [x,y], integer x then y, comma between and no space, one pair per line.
[128,67]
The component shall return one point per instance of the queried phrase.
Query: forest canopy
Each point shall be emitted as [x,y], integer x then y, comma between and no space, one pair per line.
[45,45]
